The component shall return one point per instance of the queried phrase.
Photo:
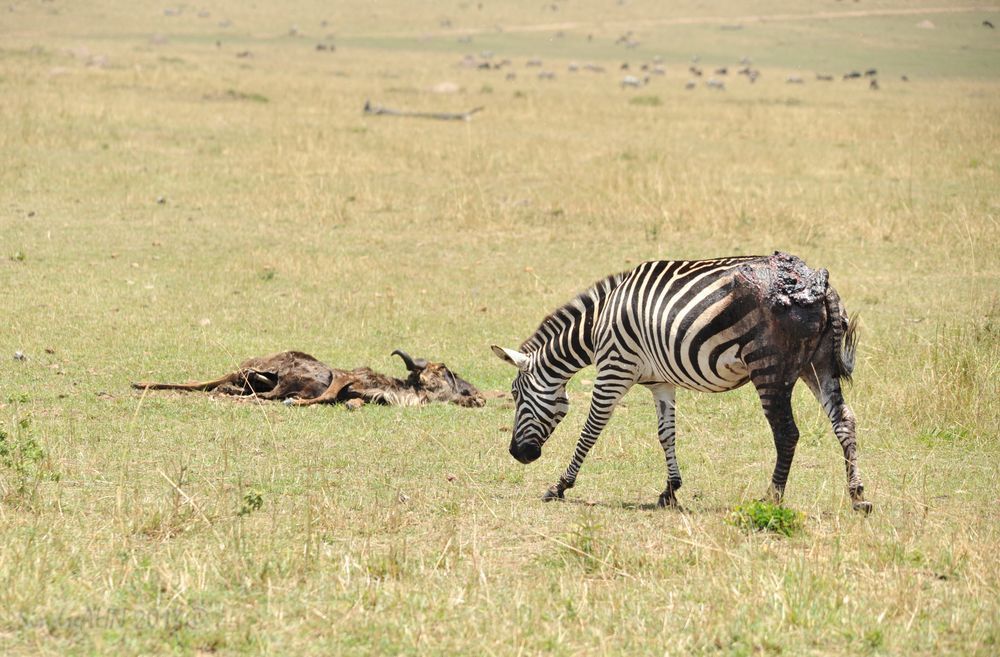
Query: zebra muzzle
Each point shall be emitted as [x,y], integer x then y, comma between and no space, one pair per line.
[525,452]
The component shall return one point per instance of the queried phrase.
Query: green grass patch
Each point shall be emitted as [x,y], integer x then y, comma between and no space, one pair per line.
[763,516]
[646,101]
[943,436]
[233,94]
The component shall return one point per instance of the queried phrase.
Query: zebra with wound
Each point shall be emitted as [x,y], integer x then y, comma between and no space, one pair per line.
[704,325]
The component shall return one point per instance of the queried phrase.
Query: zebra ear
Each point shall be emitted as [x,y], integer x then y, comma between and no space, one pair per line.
[515,358]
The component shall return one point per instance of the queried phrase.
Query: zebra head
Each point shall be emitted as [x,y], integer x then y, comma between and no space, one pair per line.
[540,403]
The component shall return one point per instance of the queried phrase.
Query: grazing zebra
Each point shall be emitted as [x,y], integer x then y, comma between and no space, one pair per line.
[705,325]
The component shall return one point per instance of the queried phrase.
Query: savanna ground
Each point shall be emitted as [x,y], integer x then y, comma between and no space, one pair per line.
[168,208]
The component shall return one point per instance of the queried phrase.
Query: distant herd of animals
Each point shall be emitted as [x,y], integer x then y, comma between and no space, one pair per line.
[636,76]
[702,325]
[647,71]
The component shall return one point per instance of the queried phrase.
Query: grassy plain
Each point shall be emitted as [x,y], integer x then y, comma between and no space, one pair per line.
[191,525]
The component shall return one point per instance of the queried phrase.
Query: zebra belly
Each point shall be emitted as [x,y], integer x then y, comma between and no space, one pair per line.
[725,372]
[732,372]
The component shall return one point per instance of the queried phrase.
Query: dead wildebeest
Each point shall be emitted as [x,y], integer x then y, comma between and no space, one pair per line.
[299,379]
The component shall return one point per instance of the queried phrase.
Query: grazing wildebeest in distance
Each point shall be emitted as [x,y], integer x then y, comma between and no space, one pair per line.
[300,380]
[704,325]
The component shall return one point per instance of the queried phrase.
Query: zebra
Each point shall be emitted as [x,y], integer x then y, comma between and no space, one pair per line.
[703,325]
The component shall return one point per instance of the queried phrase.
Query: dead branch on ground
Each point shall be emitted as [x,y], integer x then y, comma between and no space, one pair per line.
[378,110]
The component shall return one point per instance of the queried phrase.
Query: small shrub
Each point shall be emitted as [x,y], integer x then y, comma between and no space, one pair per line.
[653,229]
[252,501]
[24,458]
[589,547]
[764,516]
[585,539]
[874,639]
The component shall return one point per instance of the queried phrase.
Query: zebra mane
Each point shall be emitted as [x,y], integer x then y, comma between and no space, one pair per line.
[570,312]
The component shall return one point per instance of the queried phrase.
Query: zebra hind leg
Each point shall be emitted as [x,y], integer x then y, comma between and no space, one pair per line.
[828,392]
[665,397]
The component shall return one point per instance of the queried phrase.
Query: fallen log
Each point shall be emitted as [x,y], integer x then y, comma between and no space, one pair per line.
[378,110]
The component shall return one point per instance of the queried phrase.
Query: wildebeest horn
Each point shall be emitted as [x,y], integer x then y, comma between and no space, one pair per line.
[412,365]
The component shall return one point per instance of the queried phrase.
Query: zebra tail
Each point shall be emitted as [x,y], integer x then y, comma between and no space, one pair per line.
[845,335]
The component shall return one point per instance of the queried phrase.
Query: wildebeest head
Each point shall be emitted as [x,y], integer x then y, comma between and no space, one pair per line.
[540,404]
[439,383]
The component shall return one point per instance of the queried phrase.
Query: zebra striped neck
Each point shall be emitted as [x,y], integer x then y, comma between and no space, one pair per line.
[564,343]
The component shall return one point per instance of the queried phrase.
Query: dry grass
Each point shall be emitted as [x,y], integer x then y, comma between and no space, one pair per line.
[183,524]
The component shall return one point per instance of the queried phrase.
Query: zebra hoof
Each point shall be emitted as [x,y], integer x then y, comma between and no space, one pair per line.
[553,493]
[863,506]
[667,500]
[773,495]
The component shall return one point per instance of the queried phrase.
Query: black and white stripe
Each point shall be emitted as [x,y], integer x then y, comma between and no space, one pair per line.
[703,325]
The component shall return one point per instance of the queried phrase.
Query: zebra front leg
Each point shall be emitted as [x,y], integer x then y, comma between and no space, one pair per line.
[831,398]
[608,391]
[664,395]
